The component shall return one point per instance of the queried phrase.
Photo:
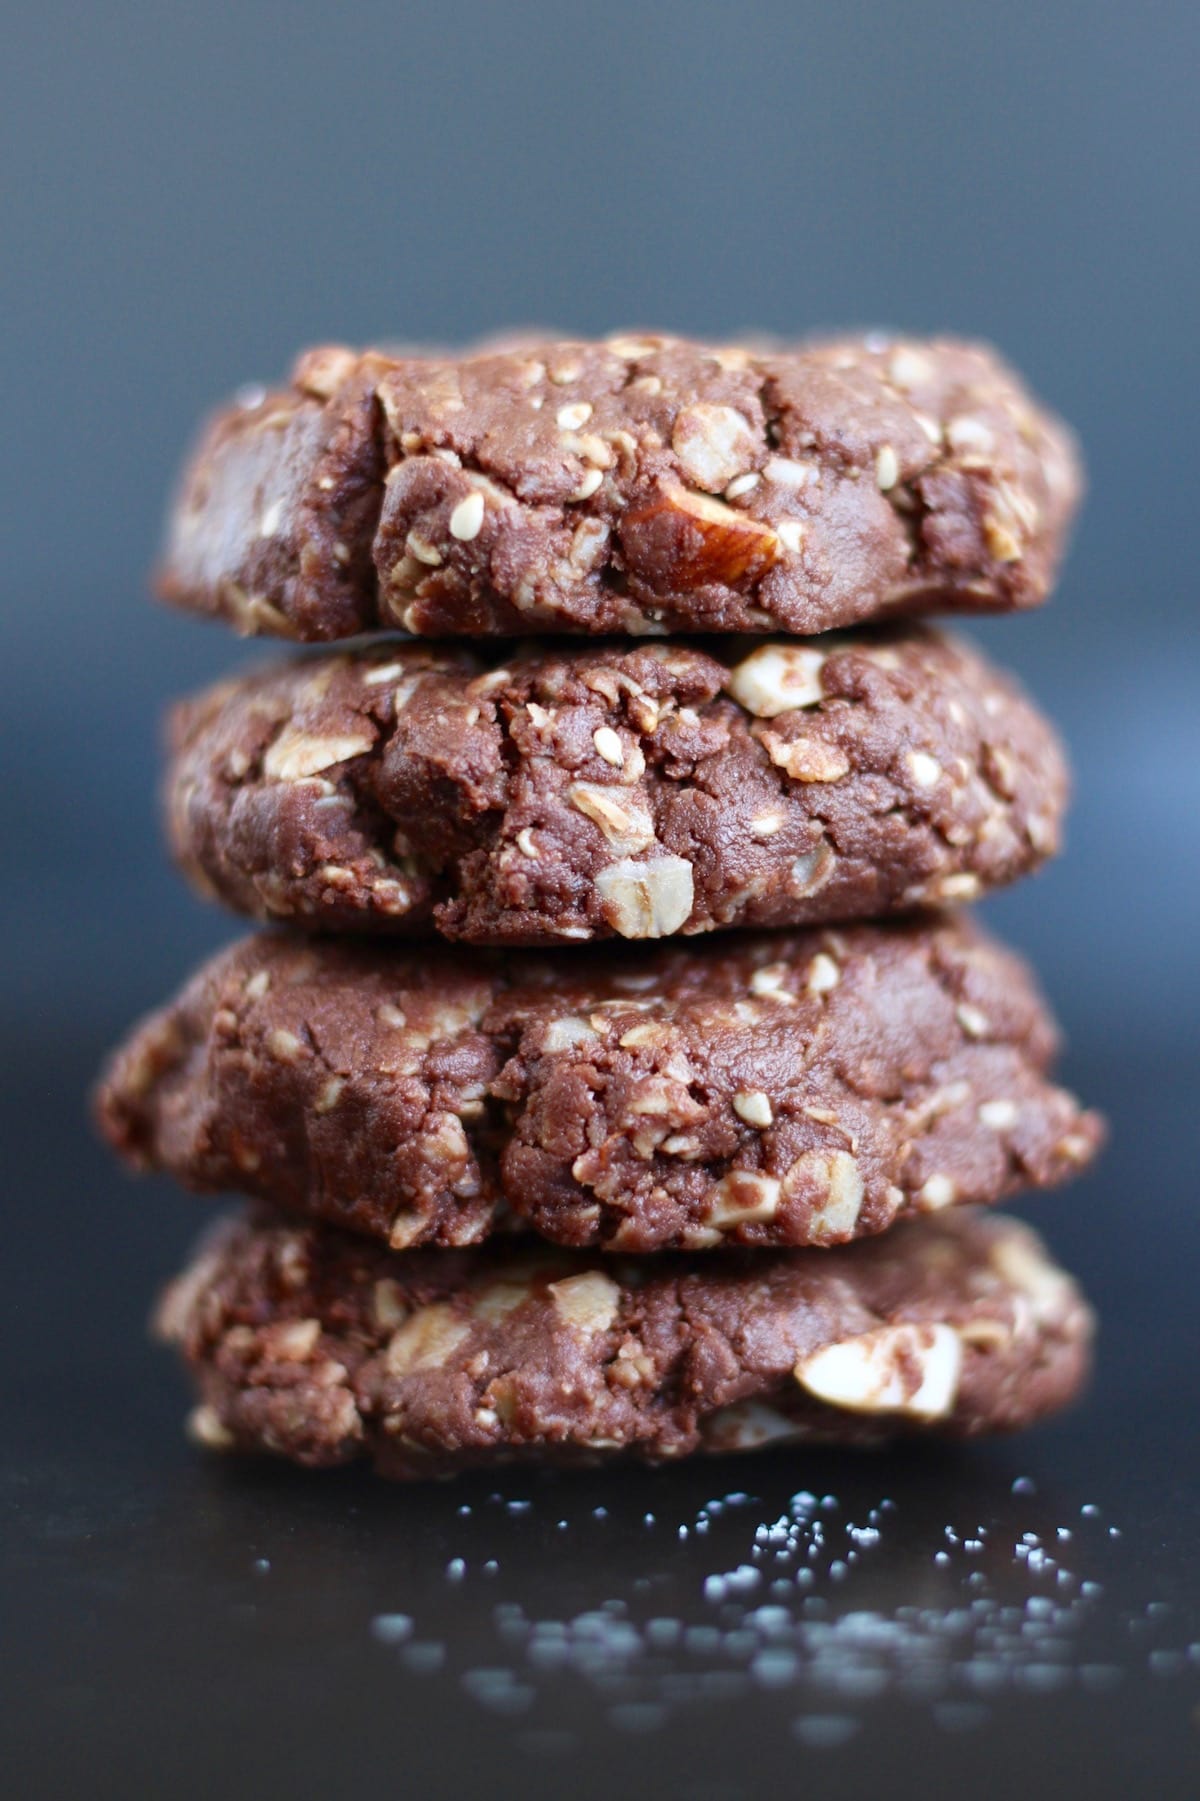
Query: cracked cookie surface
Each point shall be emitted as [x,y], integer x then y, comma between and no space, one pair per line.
[317,1347]
[581,792]
[777,1089]
[637,485]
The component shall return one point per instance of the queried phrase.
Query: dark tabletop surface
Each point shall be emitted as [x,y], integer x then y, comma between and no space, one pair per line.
[1022,1617]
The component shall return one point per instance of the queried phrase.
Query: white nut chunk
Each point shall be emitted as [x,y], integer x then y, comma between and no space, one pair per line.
[938,1192]
[296,1341]
[564,1034]
[910,1369]
[388,1304]
[1020,1263]
[646,900]
[747,1425]
[498,1300]
[823,974]
[575,416]
[835,1182]
[1001,540]
[589,1302]
[777,678]
[753,1106]
[624,822]
[205,1427]
[588,483]
[974,1023]
[806,759]
[714,444]
[425,1341]
[743,1197]
[295,755]
[320,372]
[812,870]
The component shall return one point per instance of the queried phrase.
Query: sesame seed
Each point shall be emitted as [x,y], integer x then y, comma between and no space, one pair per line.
[608,745]
[587,487]
[467,518]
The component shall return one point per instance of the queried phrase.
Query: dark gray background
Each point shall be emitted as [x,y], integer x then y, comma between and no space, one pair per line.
[189,194]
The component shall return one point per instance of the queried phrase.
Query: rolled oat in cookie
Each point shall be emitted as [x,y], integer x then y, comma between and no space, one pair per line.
[315,1346]
[776,1089]
[572,793]
[636,485]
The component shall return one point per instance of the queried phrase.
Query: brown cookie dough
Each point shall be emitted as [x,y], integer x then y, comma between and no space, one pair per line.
[782,1089]
[633,485]
[578,793]
[318,1347]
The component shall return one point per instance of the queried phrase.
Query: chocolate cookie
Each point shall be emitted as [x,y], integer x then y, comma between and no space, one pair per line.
[577,793]
[784,1089]
[318,1347]
[634,485]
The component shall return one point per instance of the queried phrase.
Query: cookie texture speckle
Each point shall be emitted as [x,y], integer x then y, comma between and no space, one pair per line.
[635,485]
[774,1089]
[574,793]
[318,1347]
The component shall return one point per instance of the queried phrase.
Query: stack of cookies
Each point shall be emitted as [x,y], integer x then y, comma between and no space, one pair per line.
[616,1075]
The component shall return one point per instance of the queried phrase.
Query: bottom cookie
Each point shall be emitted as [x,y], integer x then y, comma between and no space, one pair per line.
[323,1348]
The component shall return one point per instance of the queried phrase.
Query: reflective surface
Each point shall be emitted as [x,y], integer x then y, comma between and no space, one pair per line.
[1024,1614]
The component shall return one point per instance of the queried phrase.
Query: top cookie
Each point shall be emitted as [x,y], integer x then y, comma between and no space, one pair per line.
[638,485]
